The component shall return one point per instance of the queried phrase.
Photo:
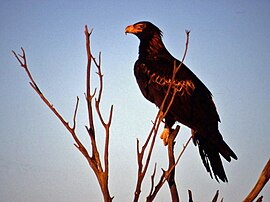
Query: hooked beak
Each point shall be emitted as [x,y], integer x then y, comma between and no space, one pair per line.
[133,29]
[130,29]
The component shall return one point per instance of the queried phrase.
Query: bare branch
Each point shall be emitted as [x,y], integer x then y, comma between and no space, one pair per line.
[44,99]
[183,150]
[110,116]
[102,175]
[100,76]
[88,83]
[190,199]
[153,192]
[23,64]
[75,113]
[263,179]
[215,197]
[97,105]
[94,160]
[153,179]
[187,42]
[169,174]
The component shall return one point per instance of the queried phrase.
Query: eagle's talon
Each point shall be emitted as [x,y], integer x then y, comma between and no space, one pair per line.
[165,135]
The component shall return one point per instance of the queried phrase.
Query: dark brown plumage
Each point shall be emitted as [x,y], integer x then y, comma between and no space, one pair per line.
[192,106]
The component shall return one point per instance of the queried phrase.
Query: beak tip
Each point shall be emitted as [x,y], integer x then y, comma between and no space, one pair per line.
[129,29]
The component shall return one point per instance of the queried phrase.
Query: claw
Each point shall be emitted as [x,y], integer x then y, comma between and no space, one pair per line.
[165,135]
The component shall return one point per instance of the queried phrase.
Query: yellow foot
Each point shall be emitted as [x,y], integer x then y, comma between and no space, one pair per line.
[165,135]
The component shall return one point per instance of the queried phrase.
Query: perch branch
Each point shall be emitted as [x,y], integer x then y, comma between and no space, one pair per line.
[170,173]
[169,176]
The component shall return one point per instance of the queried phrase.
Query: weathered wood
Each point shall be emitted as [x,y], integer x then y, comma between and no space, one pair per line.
[263,179]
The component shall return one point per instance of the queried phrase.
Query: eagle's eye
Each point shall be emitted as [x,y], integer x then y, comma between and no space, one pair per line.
[142,26]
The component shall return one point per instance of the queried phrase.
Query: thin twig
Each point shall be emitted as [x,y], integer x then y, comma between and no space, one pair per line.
[100,75]
[75,113]
[44,99]
[23,64]
[97,104]
[153,179]
[216,196]
[89,97]
[190,199]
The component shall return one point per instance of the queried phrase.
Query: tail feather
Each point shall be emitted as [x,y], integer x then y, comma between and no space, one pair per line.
[226,151]
[210,151]
[211,157]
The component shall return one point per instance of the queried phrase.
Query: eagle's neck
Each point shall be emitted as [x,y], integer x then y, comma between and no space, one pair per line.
[151,48]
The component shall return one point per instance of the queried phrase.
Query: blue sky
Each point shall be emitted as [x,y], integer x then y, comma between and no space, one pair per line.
[228,51]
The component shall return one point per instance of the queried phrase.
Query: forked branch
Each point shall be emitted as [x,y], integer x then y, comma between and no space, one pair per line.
[22,60]
[94,160]
[103,174]
[169,175]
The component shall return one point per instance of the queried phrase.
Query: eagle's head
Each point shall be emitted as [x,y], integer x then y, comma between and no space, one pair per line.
[144,30]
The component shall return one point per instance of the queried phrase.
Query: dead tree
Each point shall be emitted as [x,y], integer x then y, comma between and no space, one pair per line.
[94,160]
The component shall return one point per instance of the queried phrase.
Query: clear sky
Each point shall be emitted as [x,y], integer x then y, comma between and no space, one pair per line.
[228,50]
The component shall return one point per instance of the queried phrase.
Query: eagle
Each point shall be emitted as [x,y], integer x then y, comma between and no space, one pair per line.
[192,105]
